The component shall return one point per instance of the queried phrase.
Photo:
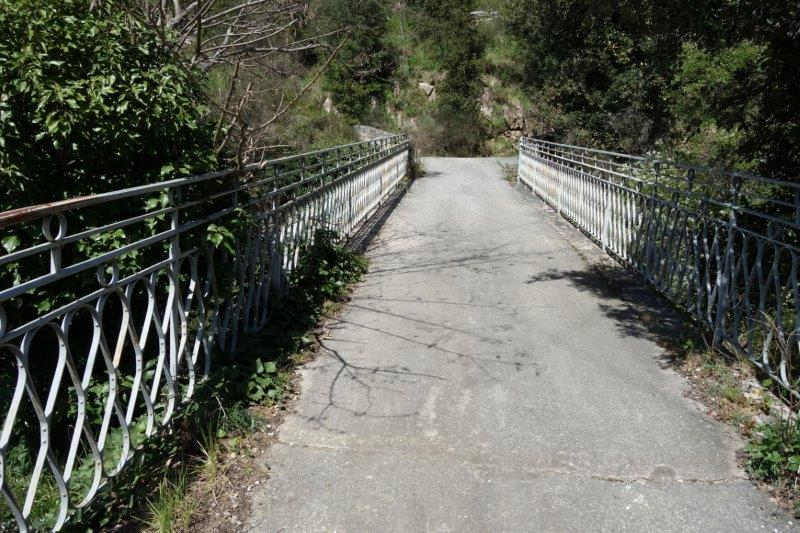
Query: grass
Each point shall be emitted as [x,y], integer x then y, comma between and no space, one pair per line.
[720,383]
[170,511]
[210,453]
[200,484]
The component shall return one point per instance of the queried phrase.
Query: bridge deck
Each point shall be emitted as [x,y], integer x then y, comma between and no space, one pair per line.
[488,377]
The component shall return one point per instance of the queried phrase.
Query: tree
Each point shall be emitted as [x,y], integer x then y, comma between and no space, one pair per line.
[715,80]
[252,50]
[451,30]
[361,75]
[717,100]
[774,137]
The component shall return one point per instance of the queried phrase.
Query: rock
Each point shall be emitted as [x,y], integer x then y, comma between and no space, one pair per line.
[514,116]
[428,89]
[780,411]
[368,133]
[327,105]
[513,135]
[753,396]
[486,102]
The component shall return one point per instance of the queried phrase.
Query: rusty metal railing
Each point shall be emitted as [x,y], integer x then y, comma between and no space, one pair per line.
[112,307]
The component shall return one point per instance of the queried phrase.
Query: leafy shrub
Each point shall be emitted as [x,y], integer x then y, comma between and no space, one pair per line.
[776,455]
[90,101]
[328,267]
[716,103]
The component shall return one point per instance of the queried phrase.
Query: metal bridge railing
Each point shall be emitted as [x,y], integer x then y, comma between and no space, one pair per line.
[721,245]
[112,306]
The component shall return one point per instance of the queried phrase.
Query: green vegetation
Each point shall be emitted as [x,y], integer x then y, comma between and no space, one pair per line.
[92,101]
[711,82]
[776,454]
[168,510]
[449,29]
[774,457]
[706,81]
[360,76]
[760,410]
[257,375]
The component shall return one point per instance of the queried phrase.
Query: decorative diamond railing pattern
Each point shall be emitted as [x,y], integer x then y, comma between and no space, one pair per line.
[112,306]
[721,245]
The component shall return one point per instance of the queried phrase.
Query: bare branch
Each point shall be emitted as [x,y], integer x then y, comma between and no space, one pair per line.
[251,42]
[308,85]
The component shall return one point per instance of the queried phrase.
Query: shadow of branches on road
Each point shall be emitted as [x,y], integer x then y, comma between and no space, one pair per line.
[636,308]
[365,378]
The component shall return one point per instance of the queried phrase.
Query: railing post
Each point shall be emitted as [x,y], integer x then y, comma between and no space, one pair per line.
[174,280]
[560,188]
[276,251]
[349,208]
[726,271]
[606,210]
[797,207]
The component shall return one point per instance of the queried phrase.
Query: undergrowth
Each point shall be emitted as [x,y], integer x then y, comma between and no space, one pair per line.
[776,454]
[155,484]
[773,456]
[759,410]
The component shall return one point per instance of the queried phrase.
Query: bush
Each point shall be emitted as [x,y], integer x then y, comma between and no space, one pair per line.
[90,101]
[776,455]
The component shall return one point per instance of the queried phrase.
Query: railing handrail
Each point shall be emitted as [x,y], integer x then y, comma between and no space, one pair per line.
[745,197]
[670,162]
[182,301]
[733,266]
[23,214]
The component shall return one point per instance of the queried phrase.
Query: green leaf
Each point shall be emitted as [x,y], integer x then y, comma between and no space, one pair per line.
[10,243]
[167,169]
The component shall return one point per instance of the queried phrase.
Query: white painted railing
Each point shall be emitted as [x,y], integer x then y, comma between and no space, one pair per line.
[113,306]
[723,246]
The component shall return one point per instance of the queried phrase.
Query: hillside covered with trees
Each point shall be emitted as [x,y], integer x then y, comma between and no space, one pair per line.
[713,82]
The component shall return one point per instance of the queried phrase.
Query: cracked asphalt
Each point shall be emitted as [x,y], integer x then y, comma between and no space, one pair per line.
[487,376]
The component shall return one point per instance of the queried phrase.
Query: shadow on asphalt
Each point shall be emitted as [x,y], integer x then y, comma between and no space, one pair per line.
[427,174]
[361,239]
[365,378]
[636,308]
[394,378]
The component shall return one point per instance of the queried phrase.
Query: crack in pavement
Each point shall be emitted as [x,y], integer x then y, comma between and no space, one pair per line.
[528,472]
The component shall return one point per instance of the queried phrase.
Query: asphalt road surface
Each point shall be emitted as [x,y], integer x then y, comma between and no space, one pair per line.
[487,376]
